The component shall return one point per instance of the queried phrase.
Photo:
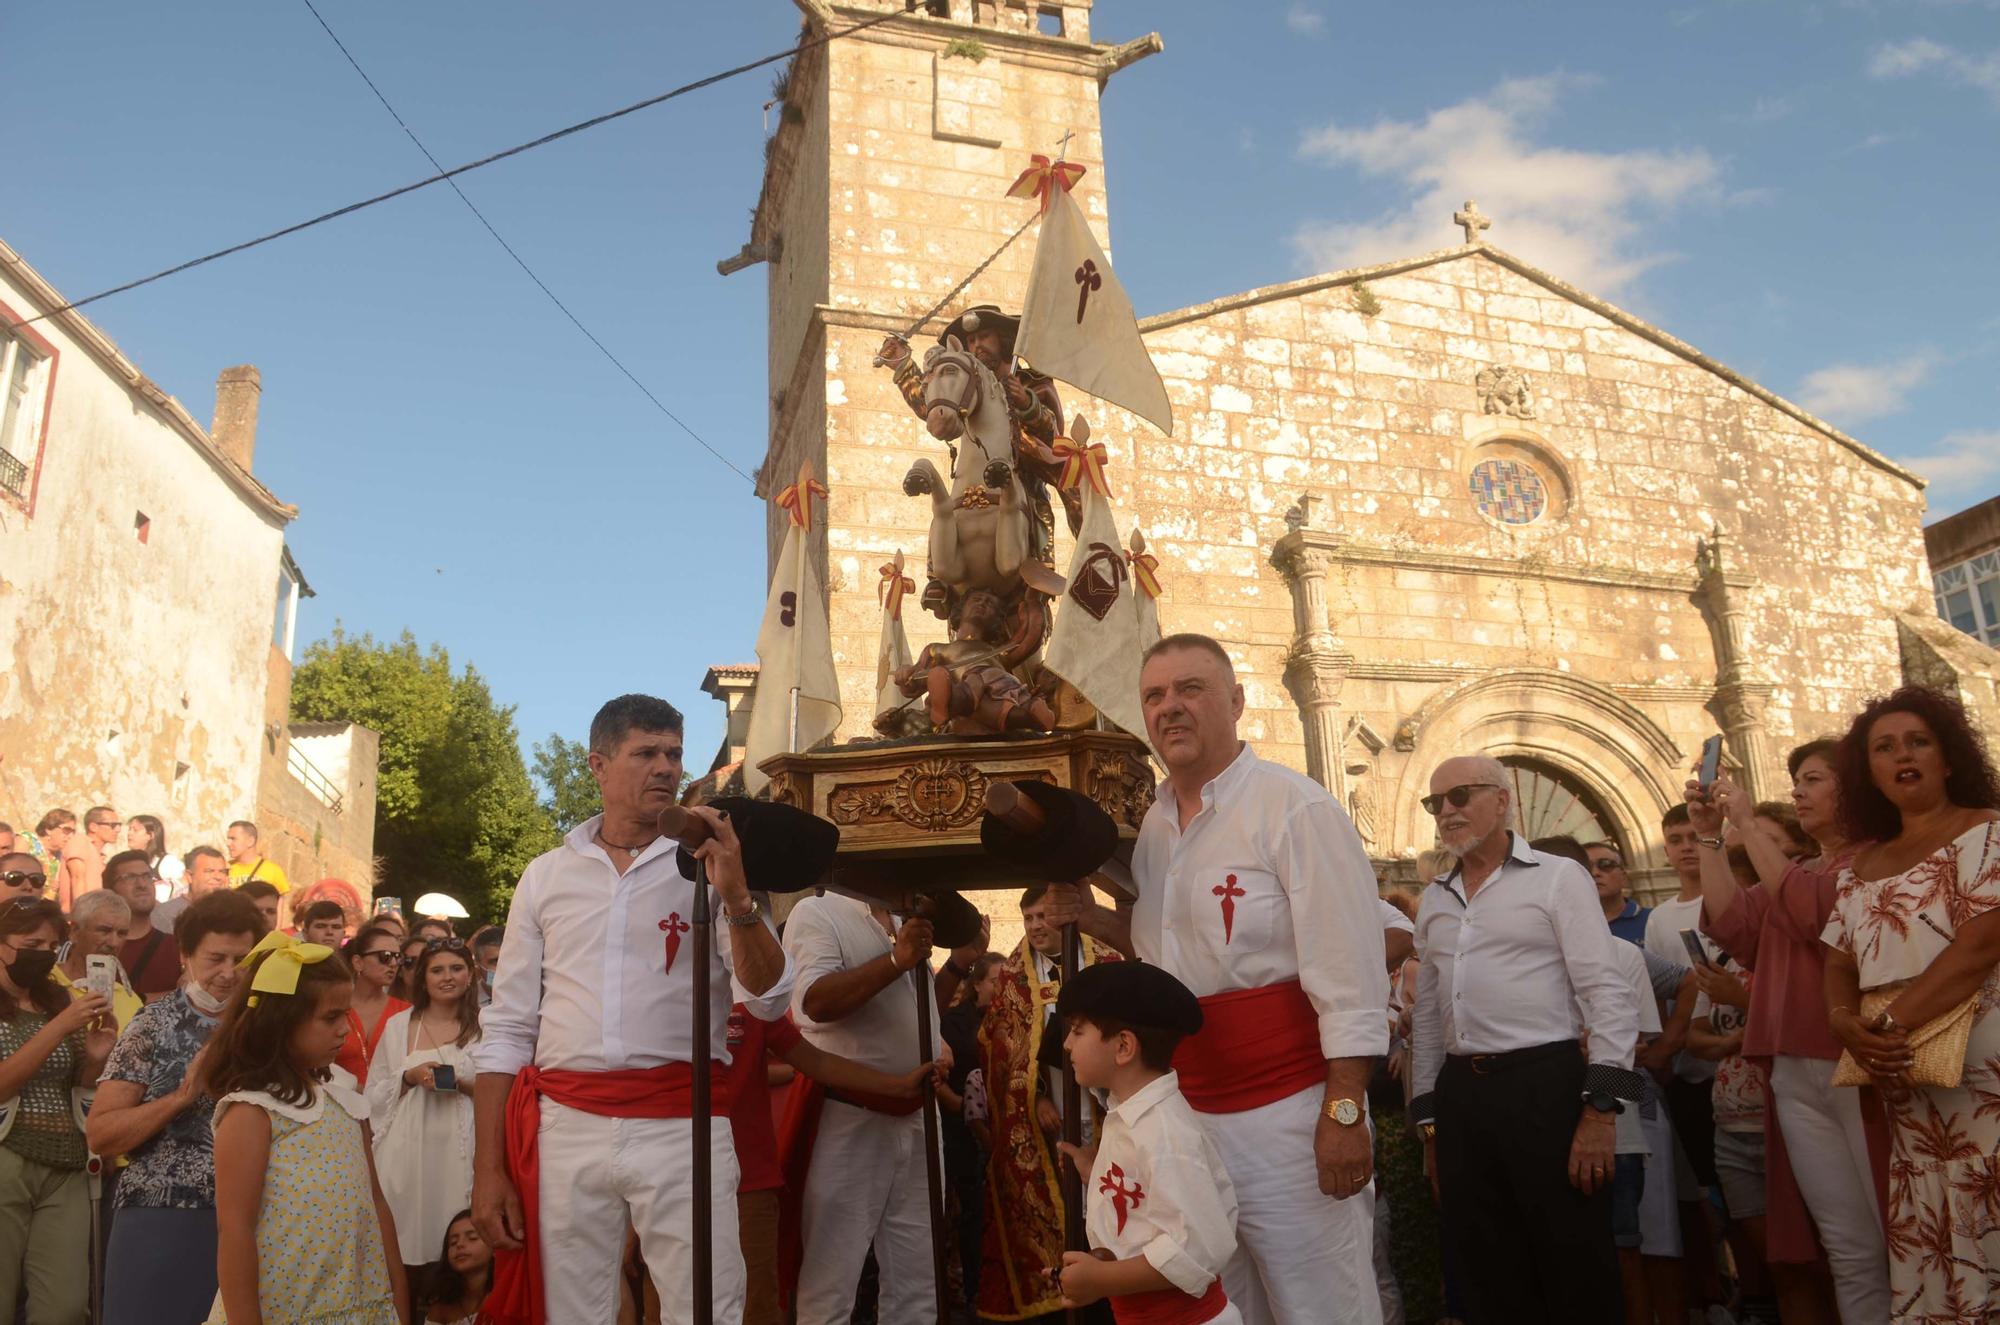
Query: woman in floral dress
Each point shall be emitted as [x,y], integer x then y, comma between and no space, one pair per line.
[1919,912]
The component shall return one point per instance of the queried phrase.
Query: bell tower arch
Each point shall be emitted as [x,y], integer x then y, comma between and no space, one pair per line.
[884,185]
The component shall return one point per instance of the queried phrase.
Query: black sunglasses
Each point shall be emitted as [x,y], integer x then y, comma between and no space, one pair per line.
[1458,796]
[16,878]
[1606,865]
[446,945]
[381,955]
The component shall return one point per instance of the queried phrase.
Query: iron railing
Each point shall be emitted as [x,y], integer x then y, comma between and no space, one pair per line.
[315,781]
[13,474]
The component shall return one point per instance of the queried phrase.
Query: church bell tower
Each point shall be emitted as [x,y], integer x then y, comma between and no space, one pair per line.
[884,186]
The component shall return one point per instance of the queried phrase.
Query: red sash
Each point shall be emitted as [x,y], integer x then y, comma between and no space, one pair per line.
[797,1132]
[666,1091]
[1256,1047]
[1169,1306]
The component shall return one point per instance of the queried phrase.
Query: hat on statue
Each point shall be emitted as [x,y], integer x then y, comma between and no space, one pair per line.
[1131,994]
[785,850]
[1076,836]
[982,317]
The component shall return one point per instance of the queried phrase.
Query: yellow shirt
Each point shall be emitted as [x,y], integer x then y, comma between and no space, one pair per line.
[260,868]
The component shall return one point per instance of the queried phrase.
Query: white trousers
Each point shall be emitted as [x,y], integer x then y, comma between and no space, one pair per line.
[1302,1258]
[1829,1151]
[599,1173]
[867,1187]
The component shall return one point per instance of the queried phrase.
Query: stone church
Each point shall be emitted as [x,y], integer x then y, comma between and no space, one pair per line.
[1444,504]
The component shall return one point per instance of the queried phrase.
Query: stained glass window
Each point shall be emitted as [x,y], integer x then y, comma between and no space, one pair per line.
[1509,491]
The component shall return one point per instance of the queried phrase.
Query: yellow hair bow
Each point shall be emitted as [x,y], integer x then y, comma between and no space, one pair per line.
[284,956]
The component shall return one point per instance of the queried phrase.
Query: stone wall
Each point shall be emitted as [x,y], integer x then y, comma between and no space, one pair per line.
[132,669]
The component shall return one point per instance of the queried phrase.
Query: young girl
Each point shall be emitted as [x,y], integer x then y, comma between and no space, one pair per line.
[301,1225]
[463,1274]
[420,1100]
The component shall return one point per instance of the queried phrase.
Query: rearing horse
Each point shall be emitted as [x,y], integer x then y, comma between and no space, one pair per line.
[979,523]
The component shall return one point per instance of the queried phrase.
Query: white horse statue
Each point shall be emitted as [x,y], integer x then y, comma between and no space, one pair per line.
[979,521]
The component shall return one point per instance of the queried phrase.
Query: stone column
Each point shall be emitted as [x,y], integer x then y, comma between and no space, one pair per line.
[1741,694]
[1316,665]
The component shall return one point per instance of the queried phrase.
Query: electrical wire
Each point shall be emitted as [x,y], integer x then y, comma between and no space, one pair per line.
[519,261]
[813,44]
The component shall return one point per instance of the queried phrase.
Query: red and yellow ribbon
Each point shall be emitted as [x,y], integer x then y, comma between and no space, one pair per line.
[1081,461]
[1043,178]
[797,501]
[1146,572]
[894,585]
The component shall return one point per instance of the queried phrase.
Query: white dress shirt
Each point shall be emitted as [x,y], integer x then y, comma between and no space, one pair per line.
[1631,962]
[584,984]
[1179,1209]
[827,934]
[1301,895]
[1526,961]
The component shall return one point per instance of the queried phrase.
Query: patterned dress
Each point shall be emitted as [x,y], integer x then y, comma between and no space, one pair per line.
[1944,1170]
[319,1246]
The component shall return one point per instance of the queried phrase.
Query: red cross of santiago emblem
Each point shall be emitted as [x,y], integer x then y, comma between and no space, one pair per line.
[1124,1199]
[1228,892]
[673,927]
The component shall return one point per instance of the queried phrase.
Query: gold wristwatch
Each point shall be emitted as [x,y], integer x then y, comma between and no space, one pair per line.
[1344,1111]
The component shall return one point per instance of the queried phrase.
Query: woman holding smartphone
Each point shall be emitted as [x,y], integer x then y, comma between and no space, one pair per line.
[420,1100]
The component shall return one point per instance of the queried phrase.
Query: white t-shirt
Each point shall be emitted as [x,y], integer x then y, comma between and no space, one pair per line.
[1663,939]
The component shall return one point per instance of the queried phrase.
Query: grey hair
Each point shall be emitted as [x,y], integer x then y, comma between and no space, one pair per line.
[98,899]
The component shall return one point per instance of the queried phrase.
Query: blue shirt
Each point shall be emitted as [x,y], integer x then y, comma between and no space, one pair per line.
[1630,924]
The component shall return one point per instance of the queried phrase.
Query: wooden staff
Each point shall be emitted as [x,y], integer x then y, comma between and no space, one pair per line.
[933,1173]
[704,1232]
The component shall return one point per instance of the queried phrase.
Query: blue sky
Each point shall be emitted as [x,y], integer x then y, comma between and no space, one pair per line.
[1806,191]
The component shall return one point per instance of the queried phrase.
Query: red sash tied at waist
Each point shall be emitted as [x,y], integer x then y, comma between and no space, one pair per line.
[1256,1047]
[1169,1306]
[666,1091]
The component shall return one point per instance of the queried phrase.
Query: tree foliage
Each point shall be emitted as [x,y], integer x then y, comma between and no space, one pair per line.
[563,769]
[454,809]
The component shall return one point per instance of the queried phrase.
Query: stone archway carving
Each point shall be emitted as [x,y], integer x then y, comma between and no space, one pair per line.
[1627,760]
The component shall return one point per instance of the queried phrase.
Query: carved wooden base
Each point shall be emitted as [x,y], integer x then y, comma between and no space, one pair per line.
[909,810]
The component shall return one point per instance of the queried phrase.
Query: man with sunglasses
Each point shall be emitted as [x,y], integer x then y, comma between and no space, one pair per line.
[1607,870]
[83,860]
[21,875]
[1519,1129]
[1256,892]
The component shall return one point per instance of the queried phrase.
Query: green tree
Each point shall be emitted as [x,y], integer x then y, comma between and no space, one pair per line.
[454,809]
[563,769]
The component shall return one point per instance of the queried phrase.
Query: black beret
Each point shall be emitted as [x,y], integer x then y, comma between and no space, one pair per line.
[1076,838]
[1132,993]
[954,920]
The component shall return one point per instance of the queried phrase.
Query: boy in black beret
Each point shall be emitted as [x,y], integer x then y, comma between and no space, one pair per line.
[1159,1208]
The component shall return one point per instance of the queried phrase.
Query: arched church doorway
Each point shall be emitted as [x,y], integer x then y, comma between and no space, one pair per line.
[1550,803]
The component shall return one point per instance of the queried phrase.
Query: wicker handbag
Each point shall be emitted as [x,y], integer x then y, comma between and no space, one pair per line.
[1937,1048]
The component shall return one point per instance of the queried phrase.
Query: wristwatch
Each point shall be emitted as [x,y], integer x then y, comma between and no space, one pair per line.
[750,917]
[1712,843]
[954,970]
[1343,1111]
[1603,1102]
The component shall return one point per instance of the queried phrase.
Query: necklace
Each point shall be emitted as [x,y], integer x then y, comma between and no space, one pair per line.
[631,852]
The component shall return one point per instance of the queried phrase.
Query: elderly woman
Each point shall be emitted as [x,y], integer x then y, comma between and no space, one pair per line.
[1917,919]
[1774,930]
[150,1109]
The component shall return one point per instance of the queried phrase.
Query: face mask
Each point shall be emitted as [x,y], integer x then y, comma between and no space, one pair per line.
[30,967]
[204,1002]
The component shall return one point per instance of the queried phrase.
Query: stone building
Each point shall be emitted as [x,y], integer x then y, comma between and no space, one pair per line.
[148,605]
[1443,504]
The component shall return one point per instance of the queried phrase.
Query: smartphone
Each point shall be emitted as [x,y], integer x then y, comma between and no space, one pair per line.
[100,974]
[444,1077]
[388,906]
[1711,761]
[1696,953]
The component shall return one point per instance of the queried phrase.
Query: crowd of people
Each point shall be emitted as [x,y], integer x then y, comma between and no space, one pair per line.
[1518,1094]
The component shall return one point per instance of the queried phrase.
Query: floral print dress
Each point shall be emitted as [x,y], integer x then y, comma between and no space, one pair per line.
[1944,1168]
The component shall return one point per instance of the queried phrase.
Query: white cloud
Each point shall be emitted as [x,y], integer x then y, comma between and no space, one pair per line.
[1848,393]
[1962,460]
[1305,20]
[1922,55]
[1769,110]
[1577,213]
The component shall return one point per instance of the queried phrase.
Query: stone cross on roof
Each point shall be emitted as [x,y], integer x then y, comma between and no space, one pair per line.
[1471,221]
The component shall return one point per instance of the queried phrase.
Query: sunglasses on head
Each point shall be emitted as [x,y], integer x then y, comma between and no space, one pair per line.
[20,878]
[1458,796]
[446,945]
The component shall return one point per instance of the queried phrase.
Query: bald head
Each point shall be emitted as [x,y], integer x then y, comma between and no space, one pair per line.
[1472,798]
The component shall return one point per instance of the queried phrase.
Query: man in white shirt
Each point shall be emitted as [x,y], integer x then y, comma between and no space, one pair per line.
[866,1183]
[1519,1130]
[1257,894]
[586,1049]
